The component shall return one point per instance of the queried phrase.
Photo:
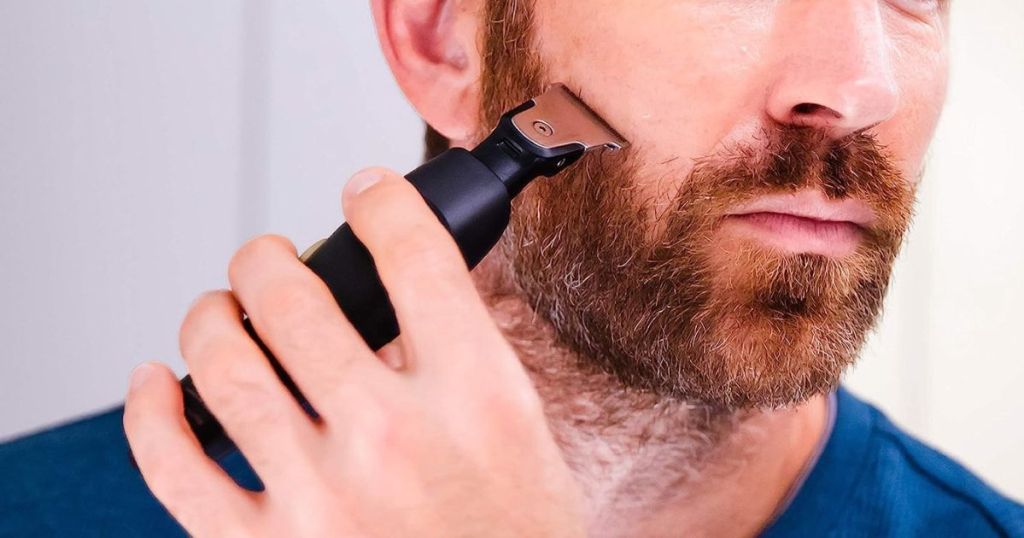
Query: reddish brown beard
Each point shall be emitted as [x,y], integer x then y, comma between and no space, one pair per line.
[667,308]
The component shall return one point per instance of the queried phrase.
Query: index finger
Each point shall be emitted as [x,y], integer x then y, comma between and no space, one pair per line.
[439,310]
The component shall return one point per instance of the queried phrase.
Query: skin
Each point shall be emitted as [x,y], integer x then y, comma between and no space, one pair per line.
[443,436]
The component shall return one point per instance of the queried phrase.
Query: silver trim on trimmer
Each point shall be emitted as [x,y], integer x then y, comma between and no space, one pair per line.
[558,118]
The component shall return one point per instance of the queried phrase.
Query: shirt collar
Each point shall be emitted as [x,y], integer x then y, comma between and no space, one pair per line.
[823,493]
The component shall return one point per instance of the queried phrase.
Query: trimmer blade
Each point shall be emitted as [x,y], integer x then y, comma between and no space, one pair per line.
[559,118]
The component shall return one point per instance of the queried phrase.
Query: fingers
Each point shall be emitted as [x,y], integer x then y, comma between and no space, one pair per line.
[297,318]
[192,487]
[438,307]
[392,354]
[240,387]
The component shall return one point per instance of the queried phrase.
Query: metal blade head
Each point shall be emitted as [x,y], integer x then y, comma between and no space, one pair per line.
[559,118]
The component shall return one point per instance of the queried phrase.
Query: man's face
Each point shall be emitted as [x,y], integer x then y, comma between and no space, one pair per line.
[737,254]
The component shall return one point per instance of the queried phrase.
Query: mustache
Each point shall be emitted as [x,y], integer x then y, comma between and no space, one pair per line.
[604,196]
[787,159]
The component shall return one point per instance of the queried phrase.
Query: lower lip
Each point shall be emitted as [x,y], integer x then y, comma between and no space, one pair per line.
[800,235]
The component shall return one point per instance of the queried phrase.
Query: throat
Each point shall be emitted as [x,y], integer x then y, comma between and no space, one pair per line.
[636,459]
[650,465]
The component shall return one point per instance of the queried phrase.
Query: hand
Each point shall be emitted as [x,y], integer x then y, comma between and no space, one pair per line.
[445,438]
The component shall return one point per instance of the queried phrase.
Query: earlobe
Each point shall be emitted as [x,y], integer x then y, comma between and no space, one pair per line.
[432,49]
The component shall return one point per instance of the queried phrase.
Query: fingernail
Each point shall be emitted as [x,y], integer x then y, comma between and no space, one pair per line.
[139,375]
[364,180]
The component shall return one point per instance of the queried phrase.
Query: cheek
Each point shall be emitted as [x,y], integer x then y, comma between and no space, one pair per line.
[675,77]
[909,133]
[920,57]
[672,75]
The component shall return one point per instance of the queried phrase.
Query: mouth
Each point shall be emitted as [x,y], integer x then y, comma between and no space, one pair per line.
[803,222]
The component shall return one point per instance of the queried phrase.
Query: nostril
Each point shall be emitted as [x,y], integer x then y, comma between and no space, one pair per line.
[804,110]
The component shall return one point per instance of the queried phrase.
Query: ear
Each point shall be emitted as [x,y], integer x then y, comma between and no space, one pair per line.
[431,46]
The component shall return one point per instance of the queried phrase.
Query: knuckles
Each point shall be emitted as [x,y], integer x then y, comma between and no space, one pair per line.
[387,436]
[517,408]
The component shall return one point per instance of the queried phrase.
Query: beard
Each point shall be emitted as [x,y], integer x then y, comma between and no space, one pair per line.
[658,297]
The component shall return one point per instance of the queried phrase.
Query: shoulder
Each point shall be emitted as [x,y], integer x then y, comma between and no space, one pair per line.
[936,491]
[77,480]
[874,479]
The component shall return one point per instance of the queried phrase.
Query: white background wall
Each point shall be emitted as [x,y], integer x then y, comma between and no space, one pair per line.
[141,142]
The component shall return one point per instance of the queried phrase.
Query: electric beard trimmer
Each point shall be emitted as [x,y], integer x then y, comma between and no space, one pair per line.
[470,192]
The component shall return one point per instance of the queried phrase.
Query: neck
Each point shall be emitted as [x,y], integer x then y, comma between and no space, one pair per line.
[649,465]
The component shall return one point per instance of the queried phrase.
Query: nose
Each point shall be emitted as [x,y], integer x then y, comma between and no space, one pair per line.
[833,69]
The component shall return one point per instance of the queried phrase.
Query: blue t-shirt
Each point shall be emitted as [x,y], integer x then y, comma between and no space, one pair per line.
[871,479]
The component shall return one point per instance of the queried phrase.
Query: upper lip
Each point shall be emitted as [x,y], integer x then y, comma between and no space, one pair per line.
[811,204]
